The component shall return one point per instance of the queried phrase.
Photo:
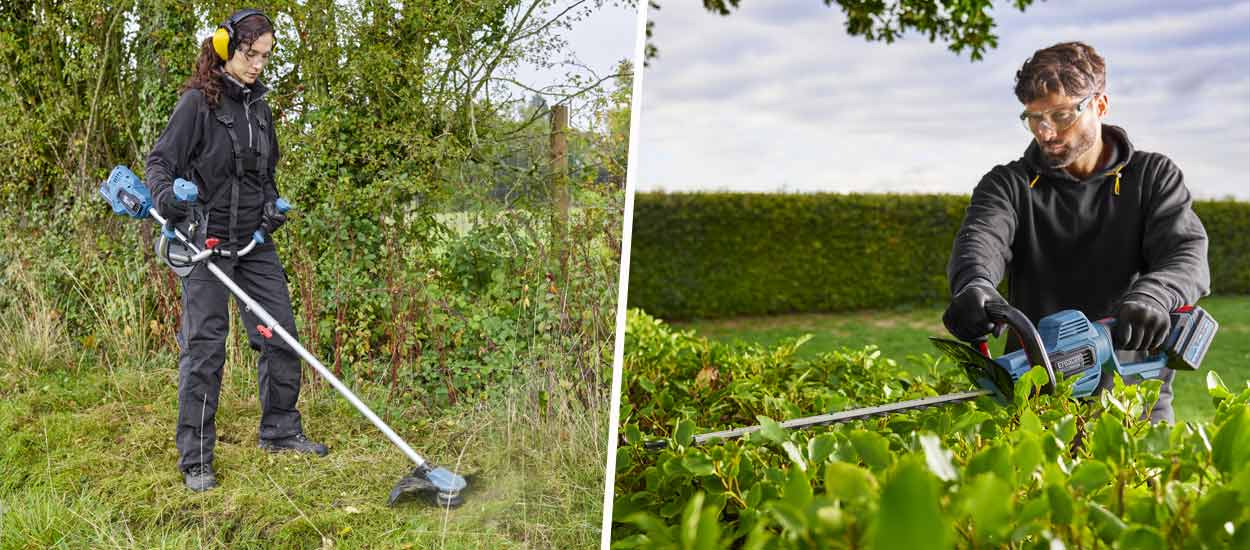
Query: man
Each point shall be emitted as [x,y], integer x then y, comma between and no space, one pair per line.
[1081,221]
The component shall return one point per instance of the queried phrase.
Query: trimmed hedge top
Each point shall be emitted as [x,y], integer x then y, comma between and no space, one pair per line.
[707,255]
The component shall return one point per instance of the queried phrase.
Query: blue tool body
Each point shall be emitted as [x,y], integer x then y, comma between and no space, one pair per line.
[1076,347]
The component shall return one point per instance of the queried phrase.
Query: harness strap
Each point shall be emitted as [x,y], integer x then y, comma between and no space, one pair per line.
[228,121]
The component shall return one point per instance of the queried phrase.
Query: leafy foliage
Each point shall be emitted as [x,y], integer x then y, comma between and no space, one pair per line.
[398,123]
[1050,472]
[706,255]
[963,25]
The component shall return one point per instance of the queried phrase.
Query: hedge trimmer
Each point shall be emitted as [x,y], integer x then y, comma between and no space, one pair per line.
[1064,344]
[128,196]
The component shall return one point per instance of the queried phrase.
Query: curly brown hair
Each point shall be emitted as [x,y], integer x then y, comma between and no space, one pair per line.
[1073,69]
[209,66]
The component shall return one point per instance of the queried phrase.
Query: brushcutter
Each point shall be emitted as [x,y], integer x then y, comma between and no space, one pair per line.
[1064,344]
[177,247]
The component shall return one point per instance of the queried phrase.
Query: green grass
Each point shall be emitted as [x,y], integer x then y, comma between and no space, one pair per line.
[87,459]
[903,332]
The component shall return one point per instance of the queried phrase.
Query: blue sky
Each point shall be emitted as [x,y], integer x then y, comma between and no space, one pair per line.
[778,97]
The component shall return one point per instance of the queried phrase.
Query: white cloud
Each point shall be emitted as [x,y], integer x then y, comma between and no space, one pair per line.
[777,95]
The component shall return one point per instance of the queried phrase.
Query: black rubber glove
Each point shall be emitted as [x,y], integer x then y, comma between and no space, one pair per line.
[174,210]
[270,218]
[1141,324]
[965,317]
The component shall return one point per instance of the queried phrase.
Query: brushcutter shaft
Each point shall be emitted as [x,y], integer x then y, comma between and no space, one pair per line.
[316,365]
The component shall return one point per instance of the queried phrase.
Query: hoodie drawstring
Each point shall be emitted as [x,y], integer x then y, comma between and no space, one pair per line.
[1034,182]
[1116,191]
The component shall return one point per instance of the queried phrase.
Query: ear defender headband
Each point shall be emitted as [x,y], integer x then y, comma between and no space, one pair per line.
[224,39]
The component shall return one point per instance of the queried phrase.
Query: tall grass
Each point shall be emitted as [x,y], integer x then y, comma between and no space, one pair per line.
[88,407]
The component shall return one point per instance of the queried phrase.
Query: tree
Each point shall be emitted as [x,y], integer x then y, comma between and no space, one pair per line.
[963,24]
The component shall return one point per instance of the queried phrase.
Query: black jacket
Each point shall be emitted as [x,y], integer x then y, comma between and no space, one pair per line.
[1126,230]
[196,146]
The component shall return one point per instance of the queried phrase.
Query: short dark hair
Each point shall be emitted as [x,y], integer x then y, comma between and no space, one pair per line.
[1073,69]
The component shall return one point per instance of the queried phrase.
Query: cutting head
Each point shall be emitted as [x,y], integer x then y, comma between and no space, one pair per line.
[440,486]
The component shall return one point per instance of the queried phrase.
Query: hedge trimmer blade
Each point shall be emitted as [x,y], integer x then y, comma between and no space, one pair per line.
[834,418]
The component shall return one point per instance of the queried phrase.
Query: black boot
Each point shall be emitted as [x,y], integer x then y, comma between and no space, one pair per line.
[298,443]
[200,478]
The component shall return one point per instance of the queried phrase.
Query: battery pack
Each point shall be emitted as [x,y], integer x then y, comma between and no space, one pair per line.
[1192,332]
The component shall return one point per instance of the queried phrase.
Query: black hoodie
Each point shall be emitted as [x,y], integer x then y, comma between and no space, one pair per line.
[196,146]
[1126,230]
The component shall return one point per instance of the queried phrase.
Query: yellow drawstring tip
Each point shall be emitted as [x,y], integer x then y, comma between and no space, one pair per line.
[1116,191]
[1034,182]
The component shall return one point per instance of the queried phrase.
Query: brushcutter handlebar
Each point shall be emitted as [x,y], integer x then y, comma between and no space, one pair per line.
[187,192]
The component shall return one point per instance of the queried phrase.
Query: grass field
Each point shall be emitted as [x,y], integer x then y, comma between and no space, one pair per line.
[903,332]
[87,458]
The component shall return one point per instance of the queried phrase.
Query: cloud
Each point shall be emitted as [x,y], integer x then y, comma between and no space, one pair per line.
[777,94]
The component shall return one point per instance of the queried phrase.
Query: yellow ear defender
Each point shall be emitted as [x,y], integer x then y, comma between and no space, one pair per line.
[224,41]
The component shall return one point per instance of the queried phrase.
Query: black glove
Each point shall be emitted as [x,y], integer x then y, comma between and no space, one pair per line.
[174,210]
[965,317]
[1141,324]
[270,218]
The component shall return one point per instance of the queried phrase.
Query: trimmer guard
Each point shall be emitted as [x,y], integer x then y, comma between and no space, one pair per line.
[981,370]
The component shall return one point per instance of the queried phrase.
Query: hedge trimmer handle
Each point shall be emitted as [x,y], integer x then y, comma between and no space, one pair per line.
[1030,340]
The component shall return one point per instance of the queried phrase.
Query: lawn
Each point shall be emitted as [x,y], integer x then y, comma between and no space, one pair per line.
[903,332]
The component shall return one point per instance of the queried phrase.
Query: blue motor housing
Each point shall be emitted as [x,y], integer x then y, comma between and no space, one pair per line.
[1080,348]
[126,193]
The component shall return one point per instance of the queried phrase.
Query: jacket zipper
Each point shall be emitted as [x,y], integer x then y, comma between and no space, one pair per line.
[247,116]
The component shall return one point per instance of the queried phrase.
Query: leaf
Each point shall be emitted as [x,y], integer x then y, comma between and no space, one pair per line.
[632,434]
[1062,508]
[909,501]
[1230,450]
[1106,525]
[684,433]
[848,482]
[873,449]
[974,418]
[690,520]
[820,448]
[798,489]
[938,459]
[1142,537]
[1109,441]
[796,456]
[1090,475]
[1026,455]
[1214,510]
[1216,388]
[771,430]
[1065,429]
[996,459]
[1030,423]
[988,501]
[698,465]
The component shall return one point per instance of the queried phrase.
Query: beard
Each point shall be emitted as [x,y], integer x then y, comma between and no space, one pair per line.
[1063,153]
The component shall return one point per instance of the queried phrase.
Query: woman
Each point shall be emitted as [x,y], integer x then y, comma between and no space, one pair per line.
[221,137]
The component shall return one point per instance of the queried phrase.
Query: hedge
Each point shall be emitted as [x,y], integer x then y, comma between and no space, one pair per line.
[708,255]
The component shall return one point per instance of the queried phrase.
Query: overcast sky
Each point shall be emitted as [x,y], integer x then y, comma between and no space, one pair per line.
[776,96]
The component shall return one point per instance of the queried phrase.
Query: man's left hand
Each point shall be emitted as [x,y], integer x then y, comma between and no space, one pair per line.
[270,218]
[1141,324]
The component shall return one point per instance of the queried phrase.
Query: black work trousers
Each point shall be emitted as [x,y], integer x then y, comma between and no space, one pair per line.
[205,323]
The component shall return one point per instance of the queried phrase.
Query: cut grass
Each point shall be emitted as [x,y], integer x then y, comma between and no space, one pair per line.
[87,459]
[904,332]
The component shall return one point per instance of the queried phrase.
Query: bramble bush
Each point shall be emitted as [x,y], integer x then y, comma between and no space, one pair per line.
[1050,472]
